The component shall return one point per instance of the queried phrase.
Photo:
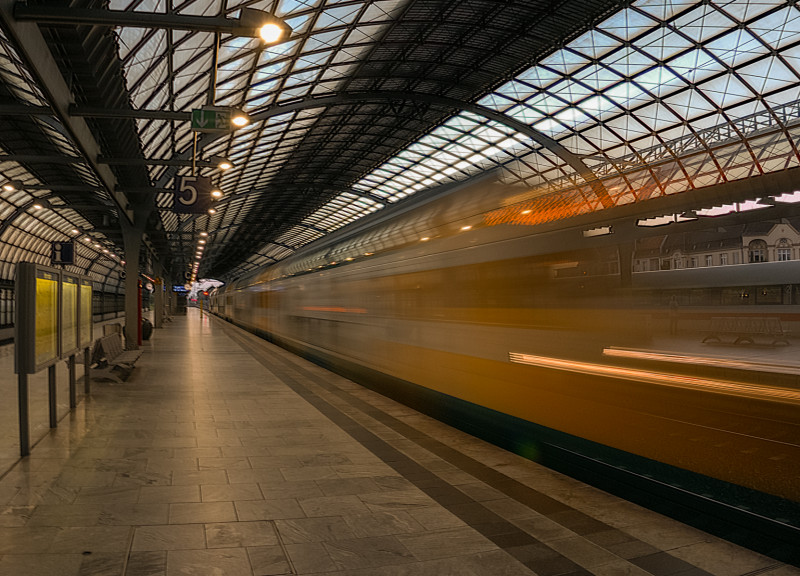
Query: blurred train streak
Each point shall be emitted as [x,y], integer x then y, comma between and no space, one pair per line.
[527,336]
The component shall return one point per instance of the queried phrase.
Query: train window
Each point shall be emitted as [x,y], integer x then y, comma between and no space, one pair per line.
[769,295]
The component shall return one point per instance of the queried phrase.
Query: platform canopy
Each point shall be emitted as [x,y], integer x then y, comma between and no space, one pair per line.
[585,104]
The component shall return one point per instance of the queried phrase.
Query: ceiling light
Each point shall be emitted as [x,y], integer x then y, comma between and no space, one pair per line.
[11,185]
[105,251]
[466,227]
[87,239]
[525,212]
[239,118]
[203,233]
[270,28]
[216,193]
[270,33]
[37,206]
[425,238]
[221,163]
[212,211]
[202,241]
[75,231]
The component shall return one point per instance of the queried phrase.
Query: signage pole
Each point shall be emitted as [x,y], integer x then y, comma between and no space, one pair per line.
[87,371]
[24,415]
[73,395]
[51,387]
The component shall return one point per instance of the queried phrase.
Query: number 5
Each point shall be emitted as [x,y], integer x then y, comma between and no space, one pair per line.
[186,186]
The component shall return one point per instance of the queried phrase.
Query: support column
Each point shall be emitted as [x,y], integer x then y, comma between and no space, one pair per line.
[51,394]
[158,303]
[133,242]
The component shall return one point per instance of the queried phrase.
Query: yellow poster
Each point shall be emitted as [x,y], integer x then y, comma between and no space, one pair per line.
[86,315]
[46,318]
[69,314]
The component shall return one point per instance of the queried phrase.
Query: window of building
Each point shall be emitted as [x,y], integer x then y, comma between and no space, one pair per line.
[709,260]
[757,251]
[736,258]
[723,259]
[693,262]
[784,250]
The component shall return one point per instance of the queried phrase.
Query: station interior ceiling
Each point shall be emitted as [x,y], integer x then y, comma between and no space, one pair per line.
[653,106]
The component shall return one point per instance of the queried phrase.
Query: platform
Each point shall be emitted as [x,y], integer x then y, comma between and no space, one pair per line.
[225,455]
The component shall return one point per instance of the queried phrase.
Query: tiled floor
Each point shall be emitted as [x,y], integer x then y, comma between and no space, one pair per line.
[223,455]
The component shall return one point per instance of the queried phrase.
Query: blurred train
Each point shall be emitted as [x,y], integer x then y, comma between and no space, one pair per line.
[453,304]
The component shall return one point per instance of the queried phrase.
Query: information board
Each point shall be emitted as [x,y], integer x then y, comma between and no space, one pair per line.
[69,314]
[37,325]
[85,302]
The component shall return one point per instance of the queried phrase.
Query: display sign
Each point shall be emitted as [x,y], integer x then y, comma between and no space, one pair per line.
[210,120]
[86,332]
[37,326]
[62,253]
[69,314]
[192,194]
[178,288]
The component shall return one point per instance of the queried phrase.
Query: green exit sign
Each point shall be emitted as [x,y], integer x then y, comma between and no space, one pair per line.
[205,120]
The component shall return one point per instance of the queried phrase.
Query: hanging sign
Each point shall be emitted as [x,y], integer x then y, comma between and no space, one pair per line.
[211,120]
[192,194]
[62,253]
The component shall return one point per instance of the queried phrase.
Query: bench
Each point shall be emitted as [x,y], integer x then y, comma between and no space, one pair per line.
[109,355]
[745,329]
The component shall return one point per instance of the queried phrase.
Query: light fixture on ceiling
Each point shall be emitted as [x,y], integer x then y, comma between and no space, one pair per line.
[239,118]
[203,233]
[221,163]
[264,25]
[216,193]
[212,211]
[12,185]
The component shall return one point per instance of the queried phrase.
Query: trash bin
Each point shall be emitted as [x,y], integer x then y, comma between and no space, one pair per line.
[147,329]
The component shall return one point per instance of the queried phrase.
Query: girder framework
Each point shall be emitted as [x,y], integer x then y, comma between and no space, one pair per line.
[586,105]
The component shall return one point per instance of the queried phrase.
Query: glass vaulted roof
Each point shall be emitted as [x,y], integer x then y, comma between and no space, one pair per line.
[590,106]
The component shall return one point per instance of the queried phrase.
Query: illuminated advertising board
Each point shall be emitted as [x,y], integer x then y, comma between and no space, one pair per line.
[85,303]
[36,329]
[69,314]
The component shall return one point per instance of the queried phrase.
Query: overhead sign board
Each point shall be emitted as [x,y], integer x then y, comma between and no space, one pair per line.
[62,253]
[210,120]
[192,194]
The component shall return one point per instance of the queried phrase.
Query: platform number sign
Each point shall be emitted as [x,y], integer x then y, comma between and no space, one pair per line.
[192,194]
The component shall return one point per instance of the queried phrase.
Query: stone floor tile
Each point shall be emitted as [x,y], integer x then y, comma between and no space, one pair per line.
[198,477]
[172,537]
[248,510]
[168,494]
[201,512]
[310,558]
[41,565]
[240,534]
[94,539]
[368,552]
[303,530]
[268,560]
[221,562]
[445,543]
[230,492]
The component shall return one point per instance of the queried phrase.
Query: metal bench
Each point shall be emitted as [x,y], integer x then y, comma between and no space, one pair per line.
[109,356]
[745,329]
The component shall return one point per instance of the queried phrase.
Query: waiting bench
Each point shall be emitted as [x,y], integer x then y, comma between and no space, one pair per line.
[744,330]
[108,354]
